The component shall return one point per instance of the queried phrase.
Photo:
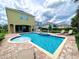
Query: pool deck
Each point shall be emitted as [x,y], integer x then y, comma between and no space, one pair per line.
[28,51]
[70,50]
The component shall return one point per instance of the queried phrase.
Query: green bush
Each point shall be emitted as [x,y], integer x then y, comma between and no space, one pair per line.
[55,31]
[66,30]
[77,40]
[1,36]
[58,30]
[44,29]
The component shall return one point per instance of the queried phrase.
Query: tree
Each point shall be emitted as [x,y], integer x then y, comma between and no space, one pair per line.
[75,21]
[50,28]
[54,25]
[5,26]
[0,27]
[76,0]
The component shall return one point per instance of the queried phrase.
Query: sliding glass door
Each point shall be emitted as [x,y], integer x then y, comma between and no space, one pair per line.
[23,28]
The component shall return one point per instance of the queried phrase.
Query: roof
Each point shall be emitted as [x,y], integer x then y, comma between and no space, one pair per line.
[19,11]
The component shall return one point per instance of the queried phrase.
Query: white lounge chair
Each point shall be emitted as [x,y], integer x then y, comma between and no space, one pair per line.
[62,32]
[70,32]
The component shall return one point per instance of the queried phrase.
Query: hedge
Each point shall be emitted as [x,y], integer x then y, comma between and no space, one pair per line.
[1,36]
[57,30]
[77,40]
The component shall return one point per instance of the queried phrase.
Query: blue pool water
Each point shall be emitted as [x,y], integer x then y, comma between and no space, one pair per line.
[47,42]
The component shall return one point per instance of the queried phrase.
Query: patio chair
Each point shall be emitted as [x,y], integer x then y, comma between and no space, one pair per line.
[70,32]
[38,30]
[62,32]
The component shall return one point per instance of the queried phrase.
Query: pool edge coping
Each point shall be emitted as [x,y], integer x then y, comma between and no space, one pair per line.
[55,54]
[58,50]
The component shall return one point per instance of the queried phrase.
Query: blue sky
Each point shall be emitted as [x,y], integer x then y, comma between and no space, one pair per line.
[55,11]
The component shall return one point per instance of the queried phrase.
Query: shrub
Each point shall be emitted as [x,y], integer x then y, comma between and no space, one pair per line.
[66,29]
[58,30]
[44,29]
[77,40]
[1,37]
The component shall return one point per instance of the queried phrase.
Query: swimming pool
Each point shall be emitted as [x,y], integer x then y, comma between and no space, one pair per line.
[47,42]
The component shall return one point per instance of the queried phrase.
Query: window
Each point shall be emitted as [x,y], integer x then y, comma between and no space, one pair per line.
[21,17]
[24,17]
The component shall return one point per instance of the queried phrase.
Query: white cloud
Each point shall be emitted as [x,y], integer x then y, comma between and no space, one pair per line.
[63,11]
[43,9]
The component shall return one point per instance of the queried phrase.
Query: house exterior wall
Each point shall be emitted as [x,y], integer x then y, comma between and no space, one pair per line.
[17,17]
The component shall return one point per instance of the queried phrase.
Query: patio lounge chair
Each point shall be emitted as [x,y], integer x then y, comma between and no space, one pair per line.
[70,32]
[62,32]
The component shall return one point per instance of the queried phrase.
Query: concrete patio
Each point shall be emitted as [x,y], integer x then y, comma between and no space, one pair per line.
[28,51]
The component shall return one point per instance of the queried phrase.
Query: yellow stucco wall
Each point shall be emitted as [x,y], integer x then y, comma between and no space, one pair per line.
[14,15]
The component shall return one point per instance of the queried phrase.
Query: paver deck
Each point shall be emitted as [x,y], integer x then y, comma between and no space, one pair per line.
[69,51]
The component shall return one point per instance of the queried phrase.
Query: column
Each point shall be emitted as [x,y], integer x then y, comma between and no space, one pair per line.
[14,28]
[9,31]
